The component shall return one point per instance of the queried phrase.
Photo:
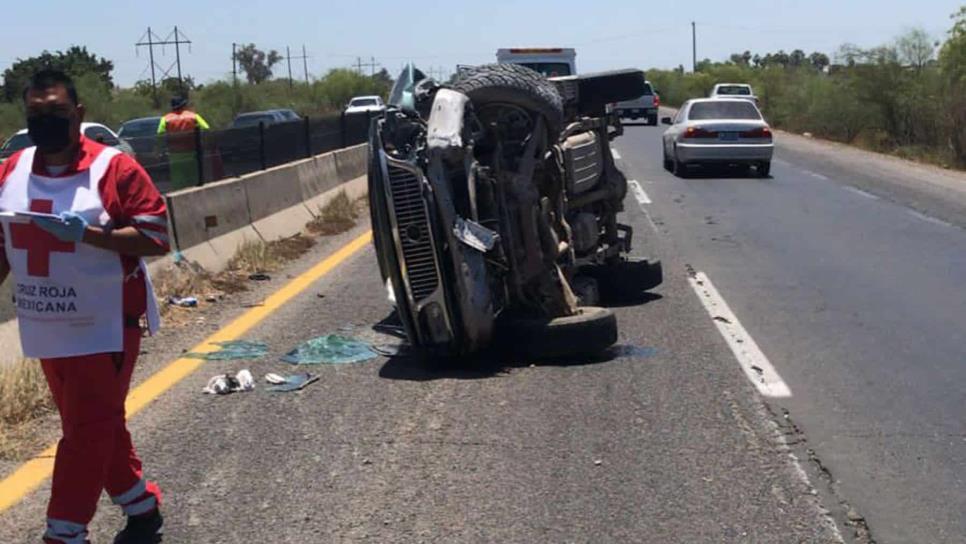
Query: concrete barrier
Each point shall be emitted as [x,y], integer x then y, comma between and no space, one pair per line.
[352,162]
[209,223]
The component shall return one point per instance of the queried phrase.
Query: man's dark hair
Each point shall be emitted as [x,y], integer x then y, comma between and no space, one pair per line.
[49,77]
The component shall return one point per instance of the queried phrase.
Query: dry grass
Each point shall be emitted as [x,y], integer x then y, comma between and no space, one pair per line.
[337,216]
[23,398]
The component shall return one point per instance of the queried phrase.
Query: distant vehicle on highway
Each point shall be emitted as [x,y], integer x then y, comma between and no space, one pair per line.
[734,90]
[142,135]
[94,131]
[718,130]
[645,106]
[254,118]
[549,61]
[363,104]
[288,115]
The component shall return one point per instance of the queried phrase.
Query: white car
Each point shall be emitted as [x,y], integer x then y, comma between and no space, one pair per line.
[734,90]
[94,131]
[363,104]
[718,130]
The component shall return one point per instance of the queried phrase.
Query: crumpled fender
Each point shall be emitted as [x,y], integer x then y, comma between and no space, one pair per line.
[446,153]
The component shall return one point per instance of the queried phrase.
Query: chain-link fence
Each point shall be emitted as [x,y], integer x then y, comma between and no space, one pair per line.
[188,159]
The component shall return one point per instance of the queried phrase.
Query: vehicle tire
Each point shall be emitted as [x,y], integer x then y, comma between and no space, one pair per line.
[668,165]
[764,169]
[513,84]
[680,169]
[588,333]
[652,120]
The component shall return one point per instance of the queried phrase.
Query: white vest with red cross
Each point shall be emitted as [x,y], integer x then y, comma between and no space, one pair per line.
[69,296]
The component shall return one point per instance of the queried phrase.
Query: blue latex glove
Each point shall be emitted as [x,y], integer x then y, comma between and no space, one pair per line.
[70,227]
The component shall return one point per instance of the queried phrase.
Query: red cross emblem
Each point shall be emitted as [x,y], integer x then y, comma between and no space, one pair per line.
[38,243]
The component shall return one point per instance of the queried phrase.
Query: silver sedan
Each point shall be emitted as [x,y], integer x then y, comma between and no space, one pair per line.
[717,130]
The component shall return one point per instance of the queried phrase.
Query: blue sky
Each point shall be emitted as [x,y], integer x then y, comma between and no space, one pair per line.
[606,33]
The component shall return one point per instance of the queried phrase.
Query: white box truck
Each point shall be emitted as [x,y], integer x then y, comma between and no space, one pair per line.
[549,61]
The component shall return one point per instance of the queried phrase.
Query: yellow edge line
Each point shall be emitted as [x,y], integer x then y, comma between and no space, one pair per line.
[35,472]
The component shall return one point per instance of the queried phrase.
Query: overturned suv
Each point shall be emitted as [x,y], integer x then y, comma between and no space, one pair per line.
[494,205]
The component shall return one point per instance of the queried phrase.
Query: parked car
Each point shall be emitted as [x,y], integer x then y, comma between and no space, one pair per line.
[718,130]
[254,118]
[142,135]
[362,104]
[288,115]
[734,90]
[644,106]
[94,131]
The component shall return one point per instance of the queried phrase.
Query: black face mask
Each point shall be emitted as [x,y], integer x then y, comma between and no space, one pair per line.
[50,133]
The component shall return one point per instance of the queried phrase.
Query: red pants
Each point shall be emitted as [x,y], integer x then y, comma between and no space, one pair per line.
[95,453]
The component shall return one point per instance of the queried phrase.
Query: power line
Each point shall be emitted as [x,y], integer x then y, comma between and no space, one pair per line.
[154,41]
[372,64]
[305,65]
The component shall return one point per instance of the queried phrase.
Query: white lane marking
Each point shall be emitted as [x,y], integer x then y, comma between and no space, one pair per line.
[639,193]
[615,153]
[929,219]
[860,192]
[816,175]
[750,357]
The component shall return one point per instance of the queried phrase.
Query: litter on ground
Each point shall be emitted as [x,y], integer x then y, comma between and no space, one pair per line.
[285,384]
[331,349]
[230,351]
[225,384]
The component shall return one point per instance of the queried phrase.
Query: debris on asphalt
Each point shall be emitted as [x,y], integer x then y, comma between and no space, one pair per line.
[225,384]
[285,384]
[213,298]
[258,276]
[625,350]
[598,462]
[183,302]
[330,349]
[234,350]
[722,319]
[757,369]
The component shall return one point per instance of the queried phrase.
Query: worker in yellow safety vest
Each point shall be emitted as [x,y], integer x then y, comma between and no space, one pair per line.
[179,128]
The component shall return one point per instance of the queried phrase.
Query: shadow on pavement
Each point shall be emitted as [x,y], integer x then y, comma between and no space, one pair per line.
[722,172]
[481,366]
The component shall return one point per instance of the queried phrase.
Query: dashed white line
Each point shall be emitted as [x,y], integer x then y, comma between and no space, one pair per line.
[753,362]
[929,219]
[615,153]
[639,193]
[816,175]
[860,192]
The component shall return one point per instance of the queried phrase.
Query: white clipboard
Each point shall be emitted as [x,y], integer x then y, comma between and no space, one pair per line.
[27,216]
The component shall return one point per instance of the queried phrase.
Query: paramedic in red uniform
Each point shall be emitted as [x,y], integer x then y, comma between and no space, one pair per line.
[81,291]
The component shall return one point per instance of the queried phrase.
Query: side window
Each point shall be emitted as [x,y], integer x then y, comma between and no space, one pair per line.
[679,118]
[101,135]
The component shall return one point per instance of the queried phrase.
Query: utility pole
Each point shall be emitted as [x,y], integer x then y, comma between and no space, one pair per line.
[305,64]
[151,40]
[694,47]
[150,43]
[372,66]
[288,59]
[234,64]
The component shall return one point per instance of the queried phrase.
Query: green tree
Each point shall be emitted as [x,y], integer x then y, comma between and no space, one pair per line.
[916,48]
[952,64]
[819,61]
[76,61]
[797,58]
[256,63]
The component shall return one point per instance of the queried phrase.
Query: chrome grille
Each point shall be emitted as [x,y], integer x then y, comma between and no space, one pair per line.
[419,258]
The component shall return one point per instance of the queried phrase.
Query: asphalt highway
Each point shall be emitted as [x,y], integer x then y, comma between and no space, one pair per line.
[855,303]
